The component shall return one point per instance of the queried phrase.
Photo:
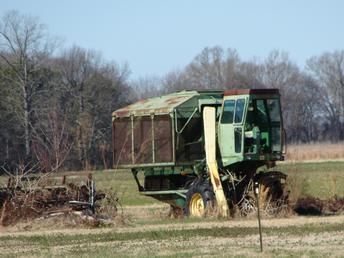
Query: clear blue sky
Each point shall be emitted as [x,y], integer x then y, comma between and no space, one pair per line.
[155,37]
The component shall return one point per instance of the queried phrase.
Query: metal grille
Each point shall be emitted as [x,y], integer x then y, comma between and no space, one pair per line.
[141,142]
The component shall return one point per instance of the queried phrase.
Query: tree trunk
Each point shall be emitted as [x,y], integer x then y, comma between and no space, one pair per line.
[7,150]
[26,121]
[82,151]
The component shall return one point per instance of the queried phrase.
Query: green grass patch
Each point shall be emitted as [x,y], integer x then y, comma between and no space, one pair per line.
[322,180]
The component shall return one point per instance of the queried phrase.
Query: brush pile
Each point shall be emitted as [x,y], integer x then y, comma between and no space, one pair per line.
[27,198]
[316,206]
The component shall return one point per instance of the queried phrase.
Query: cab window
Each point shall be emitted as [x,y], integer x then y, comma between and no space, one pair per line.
[239,110]
[262,113]
[274,110]
[228,112]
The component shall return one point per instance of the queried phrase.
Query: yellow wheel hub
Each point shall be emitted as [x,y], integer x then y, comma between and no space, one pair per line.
[196,205]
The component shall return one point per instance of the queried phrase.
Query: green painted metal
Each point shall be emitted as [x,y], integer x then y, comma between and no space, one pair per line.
[173,197]
[158,171]
[181,193]
[227,131]
[148,165]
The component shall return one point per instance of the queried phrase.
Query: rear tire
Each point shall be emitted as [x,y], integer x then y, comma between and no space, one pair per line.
[200,199]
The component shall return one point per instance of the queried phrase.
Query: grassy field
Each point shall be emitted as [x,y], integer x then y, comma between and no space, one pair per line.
[319,179]
[122,181]
[148,232]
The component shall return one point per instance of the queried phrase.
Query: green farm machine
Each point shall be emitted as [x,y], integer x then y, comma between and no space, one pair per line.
[204,150]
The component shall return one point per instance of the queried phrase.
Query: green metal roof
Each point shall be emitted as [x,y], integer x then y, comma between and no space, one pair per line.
[158,105]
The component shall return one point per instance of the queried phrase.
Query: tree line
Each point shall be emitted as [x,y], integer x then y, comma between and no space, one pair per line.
[55,108]
[312,97]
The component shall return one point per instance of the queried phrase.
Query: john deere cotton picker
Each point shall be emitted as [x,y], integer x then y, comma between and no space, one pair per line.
[204,150]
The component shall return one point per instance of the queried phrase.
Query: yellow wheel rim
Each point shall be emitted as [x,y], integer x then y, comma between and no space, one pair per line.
[196,206]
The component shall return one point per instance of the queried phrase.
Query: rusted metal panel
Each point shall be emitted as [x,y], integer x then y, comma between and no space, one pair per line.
[159,105]
[250,91]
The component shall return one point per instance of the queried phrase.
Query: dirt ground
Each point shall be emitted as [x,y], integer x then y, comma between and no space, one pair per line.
[153,222]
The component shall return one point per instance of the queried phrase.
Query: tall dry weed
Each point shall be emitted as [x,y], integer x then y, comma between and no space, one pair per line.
[297,187]
[315,152]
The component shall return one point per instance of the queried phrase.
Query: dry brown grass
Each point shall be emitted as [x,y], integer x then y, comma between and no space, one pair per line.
[315,152]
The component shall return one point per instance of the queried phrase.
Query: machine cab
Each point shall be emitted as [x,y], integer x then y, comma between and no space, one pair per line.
[250,126]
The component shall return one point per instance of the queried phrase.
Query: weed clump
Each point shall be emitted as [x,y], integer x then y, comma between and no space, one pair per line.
[315,206]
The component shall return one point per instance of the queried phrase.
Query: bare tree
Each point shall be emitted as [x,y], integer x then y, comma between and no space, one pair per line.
[146,87]
[93,89]
[77,66]
[248,75]
[303,114]
[328,69]
[280,71]
[175,81]
[232,73]
[106,91]
[52,141]
[207,70]
[24,47]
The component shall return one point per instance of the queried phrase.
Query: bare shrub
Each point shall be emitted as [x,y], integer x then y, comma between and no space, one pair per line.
[51,143]
[315,206]
[109,207]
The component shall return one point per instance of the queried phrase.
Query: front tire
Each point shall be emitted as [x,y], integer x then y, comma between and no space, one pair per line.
[199,199]
[272,196]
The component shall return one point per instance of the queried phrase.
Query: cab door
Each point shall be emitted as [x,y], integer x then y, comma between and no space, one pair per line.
[230,129]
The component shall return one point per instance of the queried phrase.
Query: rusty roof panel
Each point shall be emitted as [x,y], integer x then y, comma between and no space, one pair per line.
[158,105]
[250,91]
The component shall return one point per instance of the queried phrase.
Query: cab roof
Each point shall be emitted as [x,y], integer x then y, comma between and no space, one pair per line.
[250,91]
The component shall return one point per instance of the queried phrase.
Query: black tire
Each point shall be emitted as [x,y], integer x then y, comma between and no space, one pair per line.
[272,187]
[203,193]
[273,199]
